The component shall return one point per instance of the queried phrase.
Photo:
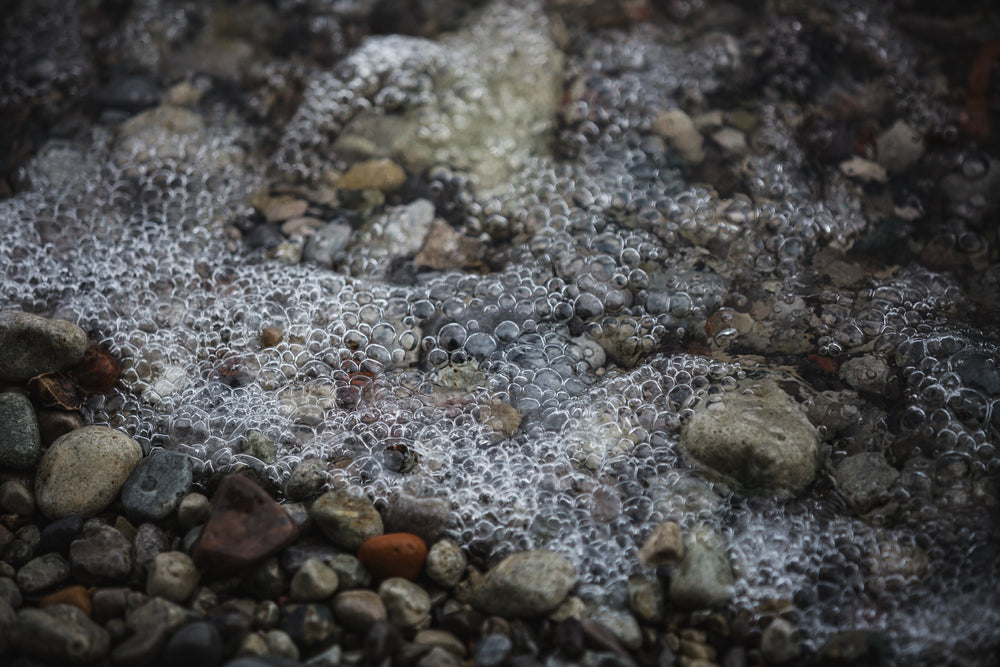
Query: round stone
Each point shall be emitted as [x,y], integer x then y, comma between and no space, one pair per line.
[346,519]
[393,555]
[313,582]
[406,603]
[42,573]
[19,433]
[525,585]
[445,563]
[197,644]
[157,485]
[33,345]
[172,575]
[82,472]
[359,610]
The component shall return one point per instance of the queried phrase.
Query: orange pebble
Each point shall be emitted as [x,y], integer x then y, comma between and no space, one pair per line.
[393,555]
[78,596]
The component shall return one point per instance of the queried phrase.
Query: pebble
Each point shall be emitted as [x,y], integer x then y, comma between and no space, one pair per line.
[446,563]
[407,605]
[271,336]
[16,498]
[492,651]
[646,598]
[440,657]
[865,373]
[393,555]
[22,443]
[424,516]
[778,643]
[24,546]
[101,554]
[382,640]
[677,128]
[149,540]
[347,519]
[172,575]
[53,424]
[359,610]
[192,510]
[78,596]
[865,480]
[42,573]
[855,647]
[446,248]
[309,625]
[61,633]
[279,643]
[326,246]
[899,148]
[154,613]
[33,345]
[703,579]
[350,571]
[760,441]
[58,535]
[8,620]
[864,170]
[156,485]
[441,639]
[197,644]
[381,174]
[82,472]
[9,592]
[245,526]
[664,547]
[314,581]
[141,648]
[307,479]
[524,585]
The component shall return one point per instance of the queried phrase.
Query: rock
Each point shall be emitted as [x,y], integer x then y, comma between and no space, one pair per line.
[58,535]
[8,623]
[664,547]
[192,510]
[778,643]
[492,651]
[864,170]
[42,573]
[165,132]
[33,345]
[307,479]
[347,519]
[855,647]
[440,657]
[401,230]
[425,516]
[623,626]
[393,555]
[100,554]
[326,247]
[150,540]
[172,575]
[156,485]
[142,647]
[62,634]
[16,498]
[865,373]
[21,446]
[197,644]
[524,585]
[78,596]
[156,612]
[678,129]
[350,571]
[446,563]
[382,640]
[646,598]
[445,248]
[309,625]
[703,580]
[279,643]
[244,527]
[865,480]
[381,174]
[24,546]
[82,472]
[359,610]
[899,148]
[10,593]
[53,423]
[407,605]
[441,639]
[314,581]
[761,441]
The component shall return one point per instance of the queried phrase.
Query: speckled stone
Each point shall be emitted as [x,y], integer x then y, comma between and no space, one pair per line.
[157,485]
[446,563]
[172,575]
[314,581]
[82,472]
[42,573]
[20,440]
[524,585]
[346,519]
[406,603]
[31,345]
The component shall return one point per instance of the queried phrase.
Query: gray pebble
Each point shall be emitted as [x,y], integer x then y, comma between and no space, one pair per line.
[279,643]
[445,563]
[359,610]
[42,573]
[440,657]
[22,444]
[193,510]
[306,480]
[864,480]
[31,345]
[350,571]
[61,633]
[172,575]
[156,612]
[406,604]
[157,485]
[16,498]
[314,581]
[524,585]
[425,517]
[703,580]
[347,519]
[325,246]
[100,554]
[778,643]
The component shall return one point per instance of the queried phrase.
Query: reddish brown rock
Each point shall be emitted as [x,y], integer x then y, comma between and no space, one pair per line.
[99,371]
[244,527]
[78,596]
[393,555]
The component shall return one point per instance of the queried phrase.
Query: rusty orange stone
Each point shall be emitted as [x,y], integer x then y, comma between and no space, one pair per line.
[393,555]
[99,371]
[78,596]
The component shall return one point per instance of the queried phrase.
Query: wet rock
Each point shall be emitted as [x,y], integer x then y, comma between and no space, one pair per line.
[165,132]
[760,441]
[58,535]
[196,644]
[53,423]
[314,581]
[524,585]
[82,472]
[24,546]
[440,656]
[100,554]
[33,345]
[407,605]
[22,444]
[864,170]
[865,480]
[665,545]
[60,633]
[142,647]
[623,626]
[149,541]
[309,625]
[244,527]
[77,596]
[280,644]
[42,573]
[646,598]
[704,579]
[678,129]
[10,593]
[899,148]
[347,519]
[382,640]
[382,174]
[492,651]
[156,613]
[172,575]
[425,516]
[350,571]
[401,230]
[778,643]
[16,498]
[192,510]
[441,639]
[326,247]
[359,610]
[445,248]
[446,563]
[393,555]
[855,647]
[156,485]
[306,480]
[865,374]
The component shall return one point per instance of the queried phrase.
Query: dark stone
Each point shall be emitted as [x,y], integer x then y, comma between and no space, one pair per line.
[264,236]
[427,517]
[109,602]
[735,657]
[309,625]
[150,540]
[24,547]
[294,556]
[101,554]
[53,424]
[523,661]
[569,638]
[57,536]
[42,573]
[8,619]
[267,581]
[263,661]
[381,642]
[156,485]
[233,620]
[141,648]
[129,92]
[666,657]
[197,644]
[599,638]
[464,623]
[61,634]
[855,648]
[493,651]
[244,527]
[22,444]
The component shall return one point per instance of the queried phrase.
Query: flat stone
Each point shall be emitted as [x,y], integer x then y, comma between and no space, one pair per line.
[446,563]
[359,610]
[82,472]
[62,634]
[406,604]
[760,441]
[524,585]
[101,554]
[347,519]
[665,545]
[245,526]
[704,578]
[42,573]
[172,575]
[20,439]
[865,480]
[157,485]
[31,345]
[382,174]
[314,581]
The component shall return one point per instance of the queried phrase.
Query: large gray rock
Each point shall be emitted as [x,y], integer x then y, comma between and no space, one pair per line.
[82,472]
[31,345]
[20,441]
[525,585]
[61,634]
[759,441]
